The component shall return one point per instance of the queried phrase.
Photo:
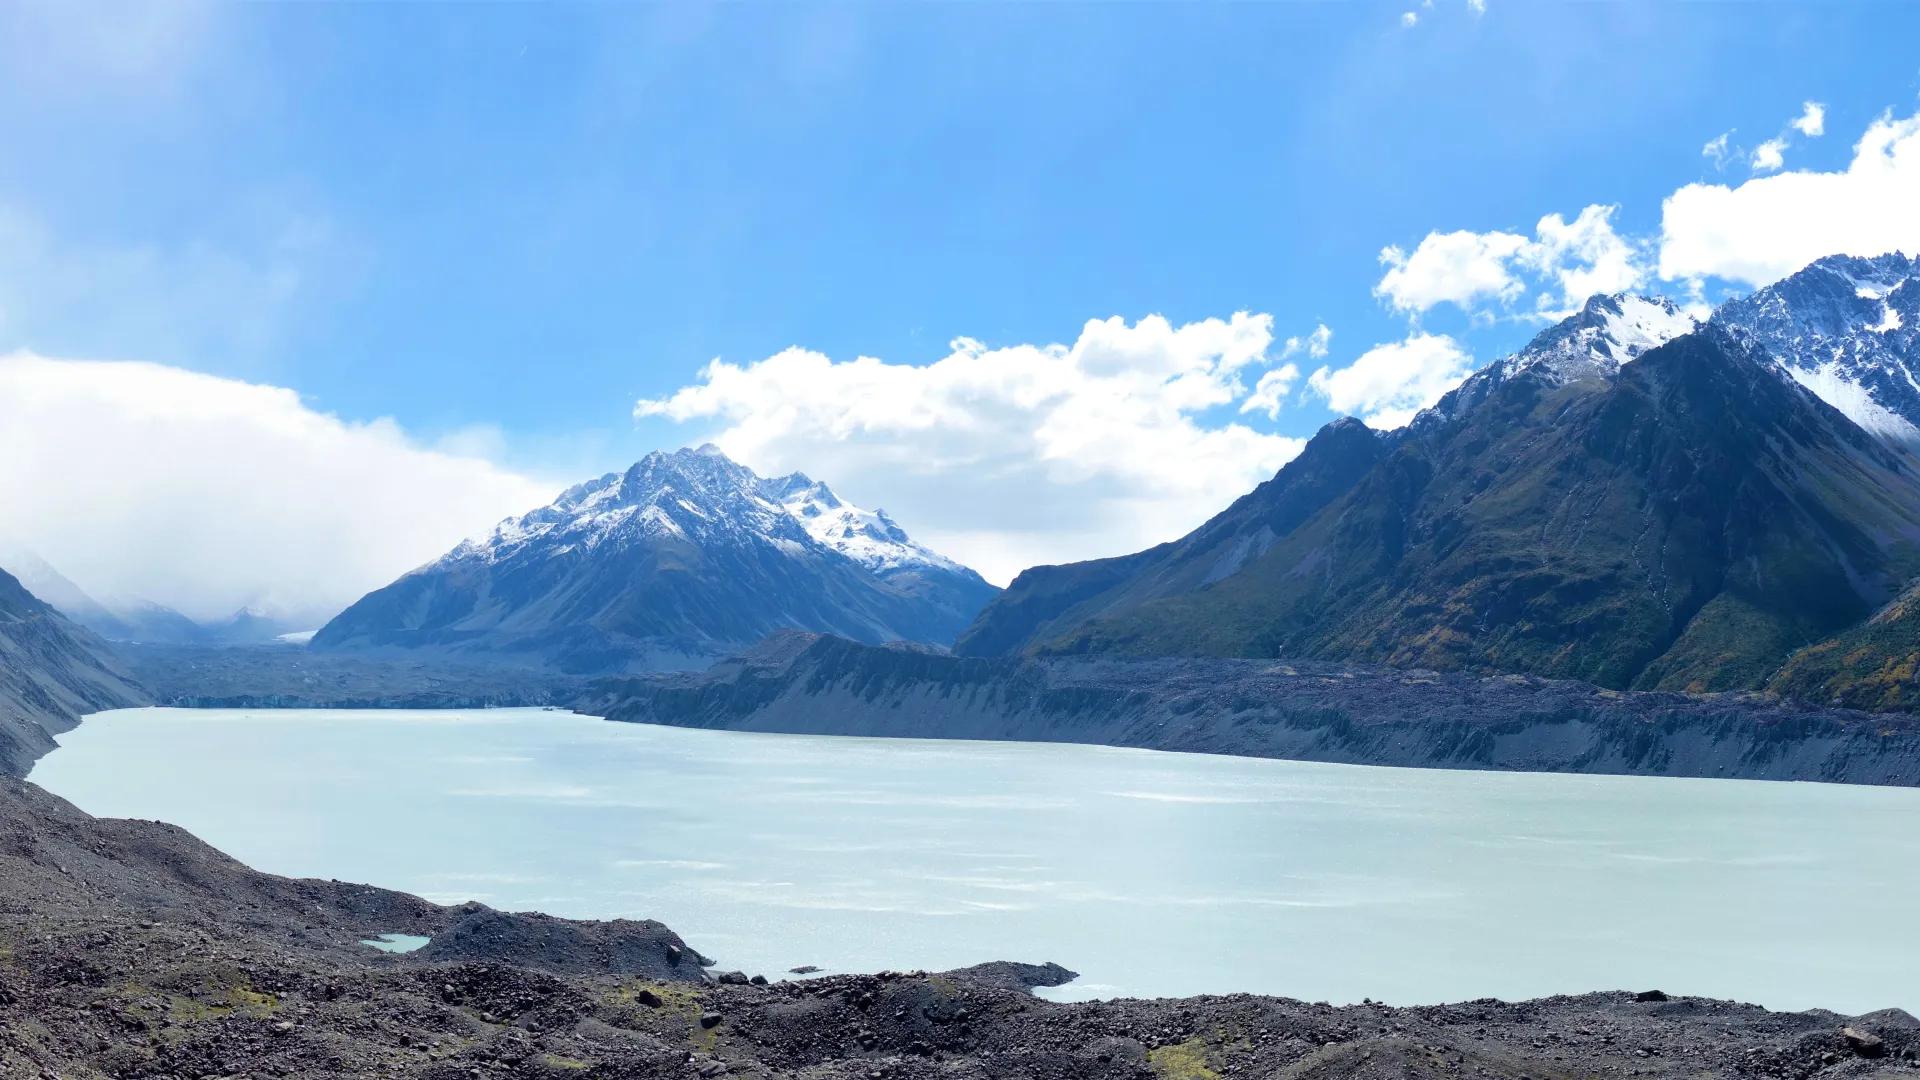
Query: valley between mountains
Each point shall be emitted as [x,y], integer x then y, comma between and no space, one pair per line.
[1639,499]
[1646,543]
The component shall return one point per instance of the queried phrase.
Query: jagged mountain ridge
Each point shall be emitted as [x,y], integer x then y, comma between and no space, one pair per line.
[1608,331]
[677,561]
[1848,329]
[877,542]
[1047,601]
[1410,567]
[1685,525]
[1050,602]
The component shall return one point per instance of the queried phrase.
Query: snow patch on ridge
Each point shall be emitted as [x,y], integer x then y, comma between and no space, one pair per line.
[1830,385]
[868,537]
[1641,324]
[1609,331]
[1844,328]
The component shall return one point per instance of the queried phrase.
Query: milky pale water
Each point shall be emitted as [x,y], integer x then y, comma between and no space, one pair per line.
[1149,873]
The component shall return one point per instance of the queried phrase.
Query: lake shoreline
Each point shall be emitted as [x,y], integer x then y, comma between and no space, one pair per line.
[257,976]
[135,950]
[864,853]
[1305,711]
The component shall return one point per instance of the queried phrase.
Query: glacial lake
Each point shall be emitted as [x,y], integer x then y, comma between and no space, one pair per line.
[1149,873]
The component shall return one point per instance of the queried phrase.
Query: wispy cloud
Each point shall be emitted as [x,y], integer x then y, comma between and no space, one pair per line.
[1717,149]
[197,303]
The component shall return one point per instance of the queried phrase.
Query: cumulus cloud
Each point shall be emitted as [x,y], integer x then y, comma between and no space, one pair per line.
[1769,156]
[1584,257]
[1007,456]
[1462,268]
[1770,226]
[1409,19]
[1566,261]
[1812,121]
[1389,383]
[207,494]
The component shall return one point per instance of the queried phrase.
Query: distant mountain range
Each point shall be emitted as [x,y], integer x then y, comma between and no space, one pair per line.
[684,558]
[139,621]
[1637,498]
[1632,500]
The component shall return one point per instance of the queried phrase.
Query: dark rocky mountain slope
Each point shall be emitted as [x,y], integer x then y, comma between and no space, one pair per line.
[51,672]
[1048,601]
[1686,524]
[1298,710]
[682,559]
[1875,665]
[1602,505]
[135,620]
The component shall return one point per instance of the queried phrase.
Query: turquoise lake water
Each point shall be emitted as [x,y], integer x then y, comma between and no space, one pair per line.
[1149,873]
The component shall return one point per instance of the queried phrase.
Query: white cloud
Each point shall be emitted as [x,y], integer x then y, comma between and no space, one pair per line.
[1768,227]
[1462,268]
[1568,261]
[1270,393]
[1315,344]
[1409,19]
[1812,121]
[140,480]
[1584,257]
[1388,383]
[1008,456]
[1478,7]
[1717,151]
[1770,156]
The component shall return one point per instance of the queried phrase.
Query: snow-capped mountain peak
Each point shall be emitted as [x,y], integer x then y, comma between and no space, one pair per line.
[1609,330]
[698,492]
[690,494]
[868,537]
[1848,329]
[683,558]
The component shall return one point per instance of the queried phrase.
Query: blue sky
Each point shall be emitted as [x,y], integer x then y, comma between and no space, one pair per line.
[500,226]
